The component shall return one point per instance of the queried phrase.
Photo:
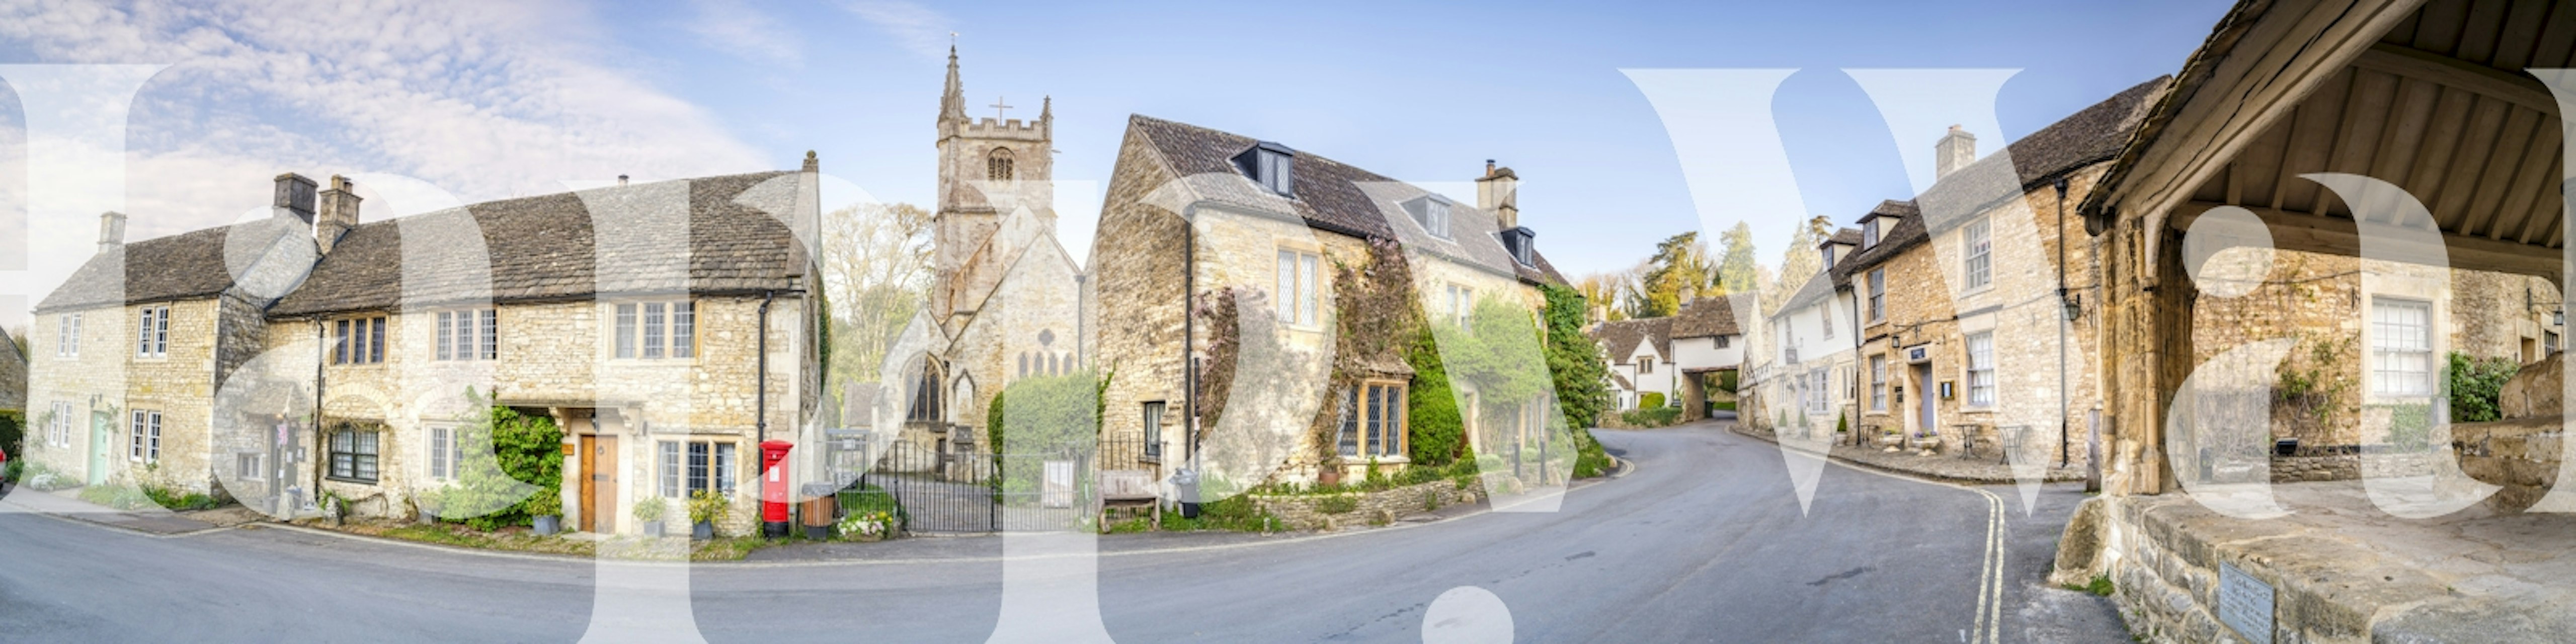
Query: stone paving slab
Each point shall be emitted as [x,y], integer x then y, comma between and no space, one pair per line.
[1984,470]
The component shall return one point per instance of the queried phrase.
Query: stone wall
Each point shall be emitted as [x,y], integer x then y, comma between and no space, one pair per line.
[108,378]
[2522,453]
[1141,297]
[1310,511]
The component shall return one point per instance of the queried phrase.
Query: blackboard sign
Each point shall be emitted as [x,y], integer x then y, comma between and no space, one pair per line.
[2244,603]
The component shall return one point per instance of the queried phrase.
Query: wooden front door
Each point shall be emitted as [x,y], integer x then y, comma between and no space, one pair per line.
[598,483]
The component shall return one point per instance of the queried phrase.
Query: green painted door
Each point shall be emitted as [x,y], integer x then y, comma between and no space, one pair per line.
[98,441]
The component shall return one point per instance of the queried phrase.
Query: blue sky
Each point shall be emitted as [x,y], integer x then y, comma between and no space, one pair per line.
[488,101]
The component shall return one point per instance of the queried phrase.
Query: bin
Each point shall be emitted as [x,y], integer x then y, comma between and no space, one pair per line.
[820,511]
[1185,484]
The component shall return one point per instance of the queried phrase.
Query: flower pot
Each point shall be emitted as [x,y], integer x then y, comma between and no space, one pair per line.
[1331,476]
[653,529]
[548,525]
[428,516]
[702,530]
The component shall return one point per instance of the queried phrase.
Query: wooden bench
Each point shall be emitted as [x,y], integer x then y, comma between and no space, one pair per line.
[1129,488]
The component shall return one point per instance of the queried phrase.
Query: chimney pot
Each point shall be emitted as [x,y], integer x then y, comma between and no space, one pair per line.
[621,179]
[111,230]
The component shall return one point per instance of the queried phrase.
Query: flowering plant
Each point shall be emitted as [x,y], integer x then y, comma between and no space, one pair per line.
[866,525]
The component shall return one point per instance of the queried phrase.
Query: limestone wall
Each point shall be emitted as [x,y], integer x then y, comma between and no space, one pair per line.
[1312,511]
[107,379]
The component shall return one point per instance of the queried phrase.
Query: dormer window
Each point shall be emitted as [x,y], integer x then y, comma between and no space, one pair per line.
[1272,165]
[1518,242]
[1432,213]
[1869,233]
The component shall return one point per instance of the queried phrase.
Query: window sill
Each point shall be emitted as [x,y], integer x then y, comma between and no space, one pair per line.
[337,479]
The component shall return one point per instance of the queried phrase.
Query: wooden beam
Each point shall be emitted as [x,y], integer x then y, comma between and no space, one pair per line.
[2409,62]
[2339,236]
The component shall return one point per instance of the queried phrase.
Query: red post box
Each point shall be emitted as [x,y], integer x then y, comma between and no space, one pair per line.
[773,487]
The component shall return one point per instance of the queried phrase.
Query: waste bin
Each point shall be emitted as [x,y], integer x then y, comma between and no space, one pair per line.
[821,508]
[1185,484]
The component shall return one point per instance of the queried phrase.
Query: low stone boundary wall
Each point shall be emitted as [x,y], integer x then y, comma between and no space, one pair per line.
[2328,467]
[2521,455]
[2164,564]
[1330,511]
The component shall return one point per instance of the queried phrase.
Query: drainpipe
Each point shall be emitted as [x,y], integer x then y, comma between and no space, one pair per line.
[760,409]
[1189,328]
[2063,444]
[321,356]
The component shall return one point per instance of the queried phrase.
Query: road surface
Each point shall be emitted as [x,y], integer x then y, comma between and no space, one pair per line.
[1703,541]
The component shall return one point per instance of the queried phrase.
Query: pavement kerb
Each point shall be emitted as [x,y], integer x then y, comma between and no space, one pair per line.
[1873,468]
[76,518]
[505,554]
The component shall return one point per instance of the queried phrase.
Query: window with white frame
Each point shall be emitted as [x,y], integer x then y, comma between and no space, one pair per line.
[67,334]
[1878,383]
[359,340]
[152,332]
[1298,273]
[472,334]
[2401,347]
[1819,389]
[1981,369]
[58,430]
[1645,365]
[1978,243]
[1869,233]
[144,442]
[657,330]
[446,452]
[695,466]
[1877,295]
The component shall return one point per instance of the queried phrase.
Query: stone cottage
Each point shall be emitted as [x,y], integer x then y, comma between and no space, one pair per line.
[1640,352]
[1192,213]
[1961,319]
[664,326]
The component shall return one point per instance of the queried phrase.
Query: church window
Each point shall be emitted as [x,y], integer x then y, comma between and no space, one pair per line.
[925,394]
[998,166]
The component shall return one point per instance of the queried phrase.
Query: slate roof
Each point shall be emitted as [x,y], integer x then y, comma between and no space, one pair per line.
[2095,134]
[1847,237]
[1332,196]
[548,248]
[185,266]
[1622,336]
[1705,317]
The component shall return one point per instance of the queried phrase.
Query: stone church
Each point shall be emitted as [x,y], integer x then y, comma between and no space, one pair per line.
[1006,300]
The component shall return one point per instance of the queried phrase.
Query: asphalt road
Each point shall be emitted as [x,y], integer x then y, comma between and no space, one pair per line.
[1704,541]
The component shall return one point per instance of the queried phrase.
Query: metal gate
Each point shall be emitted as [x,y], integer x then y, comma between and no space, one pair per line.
[962,491]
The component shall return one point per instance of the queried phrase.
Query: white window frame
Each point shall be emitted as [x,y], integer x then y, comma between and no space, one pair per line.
[1462,305]
[1299,272]
[152,332]
[1819,391]
[446,450]
[1976,245]
[2394,343]
[143,439]
[59,430]
[1981,369]
[67,335]
[1878,295]
[1869,233]
[1878,382]
[655,329]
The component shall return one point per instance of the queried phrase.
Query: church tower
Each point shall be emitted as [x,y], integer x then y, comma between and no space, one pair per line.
[988,168]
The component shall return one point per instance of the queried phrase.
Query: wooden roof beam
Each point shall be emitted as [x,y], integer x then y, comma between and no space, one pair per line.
[2340,236]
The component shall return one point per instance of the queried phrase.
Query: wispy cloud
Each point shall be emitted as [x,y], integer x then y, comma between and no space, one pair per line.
[744,31]
[484,101]
[914,27]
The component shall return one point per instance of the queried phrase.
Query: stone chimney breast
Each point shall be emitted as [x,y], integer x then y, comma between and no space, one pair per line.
[1498,192]
[111,230]
[293,197]
[338,213]
[1956,150]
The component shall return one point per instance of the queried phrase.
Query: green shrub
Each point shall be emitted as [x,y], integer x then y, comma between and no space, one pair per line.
[708,506]
[651,508]
[9,473]
[2476,384]
[861,498]
[1046,412]
[1652,417]
[1589,459]
[181,502]
[13,428]
[1438,434]
[527,453]
[1650,400]
[1574,361]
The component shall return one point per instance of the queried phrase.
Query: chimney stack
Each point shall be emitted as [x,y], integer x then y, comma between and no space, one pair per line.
[338,214]
[1498,192]
[1956,150]
[294,197]
[621,180]
[111,230]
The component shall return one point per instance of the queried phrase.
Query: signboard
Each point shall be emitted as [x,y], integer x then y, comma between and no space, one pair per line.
[2244,603]
[1918,354]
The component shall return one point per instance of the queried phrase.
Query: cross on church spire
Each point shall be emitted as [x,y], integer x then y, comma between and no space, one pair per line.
[998,108]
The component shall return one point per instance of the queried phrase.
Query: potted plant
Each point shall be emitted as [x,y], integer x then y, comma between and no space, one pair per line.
[428,503]
[549,521]
[648,513]
[866,526]
[1328,474]
[705,507]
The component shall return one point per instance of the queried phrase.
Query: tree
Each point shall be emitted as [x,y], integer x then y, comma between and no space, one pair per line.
[1574,361]
[876,273]
[1603,291]
[1800,262]
[1678,271]
[1738,269]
